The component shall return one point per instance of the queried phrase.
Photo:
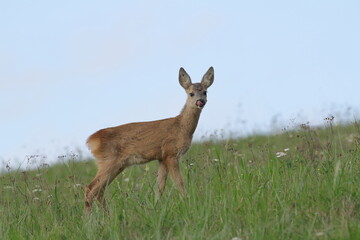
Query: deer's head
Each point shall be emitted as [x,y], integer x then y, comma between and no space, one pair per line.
[196,92]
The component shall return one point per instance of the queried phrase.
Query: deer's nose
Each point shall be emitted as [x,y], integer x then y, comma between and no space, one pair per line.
[200,103]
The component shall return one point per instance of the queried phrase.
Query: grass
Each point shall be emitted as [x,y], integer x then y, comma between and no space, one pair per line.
[301,184]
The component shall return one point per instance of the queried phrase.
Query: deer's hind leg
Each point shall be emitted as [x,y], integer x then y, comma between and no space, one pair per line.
[107,171]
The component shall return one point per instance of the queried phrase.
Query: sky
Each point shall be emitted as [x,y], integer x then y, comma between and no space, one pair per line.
[70,68]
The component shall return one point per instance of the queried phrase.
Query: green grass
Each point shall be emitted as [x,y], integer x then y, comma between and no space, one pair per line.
[236,188]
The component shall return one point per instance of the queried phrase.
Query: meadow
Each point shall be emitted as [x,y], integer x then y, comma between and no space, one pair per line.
[299,184]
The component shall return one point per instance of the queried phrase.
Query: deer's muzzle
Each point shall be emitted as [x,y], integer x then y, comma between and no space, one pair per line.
[200,103]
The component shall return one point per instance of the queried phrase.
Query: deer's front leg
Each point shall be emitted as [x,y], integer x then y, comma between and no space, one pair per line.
[161,177]
[172,165]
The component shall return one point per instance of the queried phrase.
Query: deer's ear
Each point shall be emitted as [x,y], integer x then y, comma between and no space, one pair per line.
[184,79]
[208,78]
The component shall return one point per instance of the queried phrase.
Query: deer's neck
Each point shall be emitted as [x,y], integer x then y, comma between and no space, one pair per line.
[189,118]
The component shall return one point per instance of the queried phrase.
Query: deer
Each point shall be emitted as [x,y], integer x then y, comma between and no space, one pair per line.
[166,140]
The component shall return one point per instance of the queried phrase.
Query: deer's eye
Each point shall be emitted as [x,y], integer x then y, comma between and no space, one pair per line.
[205,92]
[192,94]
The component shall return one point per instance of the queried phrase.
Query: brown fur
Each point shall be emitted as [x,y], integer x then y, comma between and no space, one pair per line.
[164,140]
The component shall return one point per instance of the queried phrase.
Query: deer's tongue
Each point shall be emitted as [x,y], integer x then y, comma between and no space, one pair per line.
[200,103]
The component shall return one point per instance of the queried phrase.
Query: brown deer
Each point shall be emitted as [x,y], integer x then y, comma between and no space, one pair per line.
[164,140]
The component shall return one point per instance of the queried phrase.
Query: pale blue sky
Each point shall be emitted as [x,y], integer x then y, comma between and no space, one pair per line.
[69,68]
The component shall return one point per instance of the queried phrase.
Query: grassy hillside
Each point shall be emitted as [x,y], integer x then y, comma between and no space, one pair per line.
[300,184]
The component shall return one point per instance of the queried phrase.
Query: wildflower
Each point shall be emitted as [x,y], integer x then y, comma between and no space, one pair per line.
[319,234]
[36,199]
[286,149]
[77,185]
[280,154]
[147,168]
[350,138]
[36,190]
[126,179]
[236,238]
[216,160]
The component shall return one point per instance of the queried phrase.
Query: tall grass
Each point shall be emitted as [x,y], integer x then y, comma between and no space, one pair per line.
[301,184]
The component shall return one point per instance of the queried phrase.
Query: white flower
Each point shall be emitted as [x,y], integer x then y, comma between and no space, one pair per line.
[191,164]
[319,234]
[37,190]
[36,199]
[280,154]
[77,185]
[350,138]
[216,160]
[126,179]
[286,149]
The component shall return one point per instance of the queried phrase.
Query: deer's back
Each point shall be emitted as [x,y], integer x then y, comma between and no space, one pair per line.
[145,140]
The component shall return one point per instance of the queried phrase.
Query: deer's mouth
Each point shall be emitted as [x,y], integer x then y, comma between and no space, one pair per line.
[200,103]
